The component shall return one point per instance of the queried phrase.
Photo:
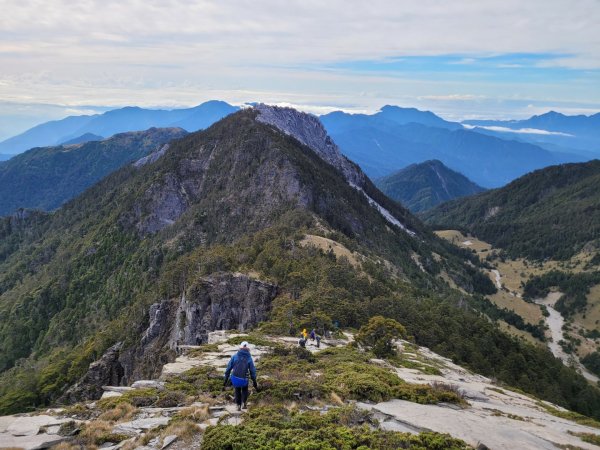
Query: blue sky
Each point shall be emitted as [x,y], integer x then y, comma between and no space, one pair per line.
[460,59]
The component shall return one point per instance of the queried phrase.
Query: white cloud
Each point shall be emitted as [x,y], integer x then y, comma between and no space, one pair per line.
[519,130]
[452,97]
[181,52]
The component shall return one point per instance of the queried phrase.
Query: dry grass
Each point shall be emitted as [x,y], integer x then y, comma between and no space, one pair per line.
[518,333]
[185,430]
[94,429]
[530,312]
[121,412]
[470,242]
[193,413]
[61,446]
[336,399]
[591,321]
[327,244]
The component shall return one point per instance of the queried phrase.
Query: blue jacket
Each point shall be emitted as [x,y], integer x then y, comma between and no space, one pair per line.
[239,365]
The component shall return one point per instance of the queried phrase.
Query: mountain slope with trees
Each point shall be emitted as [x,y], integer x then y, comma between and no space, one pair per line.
[550,213]
[422,186]
[45,178]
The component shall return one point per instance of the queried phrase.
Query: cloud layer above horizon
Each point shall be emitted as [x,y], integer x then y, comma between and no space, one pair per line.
[462,59]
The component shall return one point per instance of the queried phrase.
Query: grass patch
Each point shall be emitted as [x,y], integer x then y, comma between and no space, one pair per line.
[254,338]
[587,437]
[122,411]
[426,369]
[140,398]
[199,379]
[98,432]
[570,415]
[205,348]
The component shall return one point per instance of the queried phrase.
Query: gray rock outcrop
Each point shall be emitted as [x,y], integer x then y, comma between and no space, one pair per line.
[222,301]
[107,371]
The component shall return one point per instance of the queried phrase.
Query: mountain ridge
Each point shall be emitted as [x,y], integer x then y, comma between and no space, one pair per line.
[129,118]
[549,213]
[46,177]
[422,186]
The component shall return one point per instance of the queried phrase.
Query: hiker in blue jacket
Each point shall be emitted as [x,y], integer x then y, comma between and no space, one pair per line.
[240,365]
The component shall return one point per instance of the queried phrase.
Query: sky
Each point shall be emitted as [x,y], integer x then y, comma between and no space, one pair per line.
[462,59]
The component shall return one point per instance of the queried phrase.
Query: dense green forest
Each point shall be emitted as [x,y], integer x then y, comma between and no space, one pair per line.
[550,213]
[75,282]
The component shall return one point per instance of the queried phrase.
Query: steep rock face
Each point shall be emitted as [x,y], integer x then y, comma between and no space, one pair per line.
[221,176]
[309,130]
[222,301]
[107,371]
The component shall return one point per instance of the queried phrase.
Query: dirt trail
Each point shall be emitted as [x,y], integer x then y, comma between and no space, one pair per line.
[555,323]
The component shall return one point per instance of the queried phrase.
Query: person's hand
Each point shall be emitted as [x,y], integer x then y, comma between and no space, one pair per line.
[255,386]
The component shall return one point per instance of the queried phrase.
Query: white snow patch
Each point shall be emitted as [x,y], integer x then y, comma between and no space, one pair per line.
[467,243]
[498,279]
[384,212]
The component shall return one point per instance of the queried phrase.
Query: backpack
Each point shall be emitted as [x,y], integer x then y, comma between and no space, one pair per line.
[239,372]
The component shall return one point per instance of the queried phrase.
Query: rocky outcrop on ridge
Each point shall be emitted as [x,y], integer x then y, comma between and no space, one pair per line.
[223,301]
[107,371]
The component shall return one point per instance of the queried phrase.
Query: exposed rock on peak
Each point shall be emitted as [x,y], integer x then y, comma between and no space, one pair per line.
[309,130]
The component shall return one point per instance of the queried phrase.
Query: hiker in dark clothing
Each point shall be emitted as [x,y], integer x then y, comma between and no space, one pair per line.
[302,342]
[313,334]
[318,341]
[239,367]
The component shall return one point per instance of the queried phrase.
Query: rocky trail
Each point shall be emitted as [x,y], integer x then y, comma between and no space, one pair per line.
[496,417]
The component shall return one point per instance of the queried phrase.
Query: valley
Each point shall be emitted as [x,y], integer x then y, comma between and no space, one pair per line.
[510,276]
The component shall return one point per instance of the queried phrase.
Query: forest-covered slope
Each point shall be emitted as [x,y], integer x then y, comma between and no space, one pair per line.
[550,213]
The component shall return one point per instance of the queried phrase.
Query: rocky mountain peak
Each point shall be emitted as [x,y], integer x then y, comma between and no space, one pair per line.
[309,130]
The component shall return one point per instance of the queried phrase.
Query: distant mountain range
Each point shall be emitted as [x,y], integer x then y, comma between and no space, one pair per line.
[491,153]
[384,142]
[550,213]
[46,177]
[72,128]
[422,186]
[552,130]
[86,137]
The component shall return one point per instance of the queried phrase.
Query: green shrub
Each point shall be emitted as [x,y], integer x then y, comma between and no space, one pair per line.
[339,428]
[379,335]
